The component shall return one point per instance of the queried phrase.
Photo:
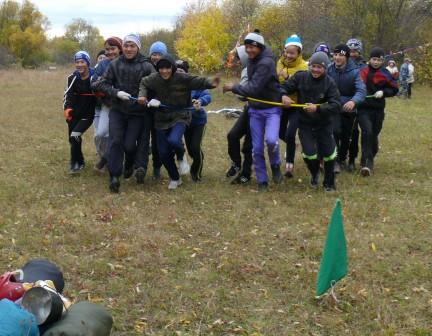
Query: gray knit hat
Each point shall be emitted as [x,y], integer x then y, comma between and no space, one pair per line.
[255,39]
[320,58]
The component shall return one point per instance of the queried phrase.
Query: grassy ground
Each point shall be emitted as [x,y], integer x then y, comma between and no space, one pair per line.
[216,259]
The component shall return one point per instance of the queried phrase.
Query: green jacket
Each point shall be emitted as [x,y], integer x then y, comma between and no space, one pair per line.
[175,96]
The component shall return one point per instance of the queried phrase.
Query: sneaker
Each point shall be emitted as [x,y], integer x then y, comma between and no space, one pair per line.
[156,174]
[233,171]
[174,184]
[128,172]
[81,166]
[314,180]
[114,185]
[289,168]
[140,174]
[365,171]
[241,179]
[329,188]
[184,167]
[100,166]
[277,175]
[262,187]
[351,167]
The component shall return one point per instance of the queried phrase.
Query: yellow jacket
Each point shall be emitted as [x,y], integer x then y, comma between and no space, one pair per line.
[286,69]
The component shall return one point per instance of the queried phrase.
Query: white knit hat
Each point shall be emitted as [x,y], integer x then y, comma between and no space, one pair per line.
[255,39]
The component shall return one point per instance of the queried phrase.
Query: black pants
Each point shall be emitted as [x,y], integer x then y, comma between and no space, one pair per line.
[241,129]
[318,142]
[76,128]
[193,137]
[371,122]
[143,143]
[409,89]
[346,135]
[157,163]
[124,132]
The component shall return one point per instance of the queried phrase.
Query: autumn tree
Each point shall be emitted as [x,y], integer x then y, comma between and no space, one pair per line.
[22,32]
[85,34]
[203,39]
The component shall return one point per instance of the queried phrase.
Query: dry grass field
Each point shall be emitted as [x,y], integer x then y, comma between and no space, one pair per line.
[212,258]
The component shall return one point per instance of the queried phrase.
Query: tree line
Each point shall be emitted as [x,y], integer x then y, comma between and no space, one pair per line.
[205,30]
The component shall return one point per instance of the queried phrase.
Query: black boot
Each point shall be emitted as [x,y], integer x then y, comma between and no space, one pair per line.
[140,174]
[277,175]
[313,166]
[114,184]
[329,176]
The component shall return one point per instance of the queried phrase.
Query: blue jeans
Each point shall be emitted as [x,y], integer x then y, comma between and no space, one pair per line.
[169,142]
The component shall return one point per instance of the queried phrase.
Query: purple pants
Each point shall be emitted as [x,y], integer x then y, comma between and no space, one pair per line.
[264,125]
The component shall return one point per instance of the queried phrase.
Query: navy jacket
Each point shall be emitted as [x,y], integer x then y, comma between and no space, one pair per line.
[349,83]
[263,82]
[200,117]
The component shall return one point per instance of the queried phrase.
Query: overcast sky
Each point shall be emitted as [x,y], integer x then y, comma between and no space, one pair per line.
[118,17]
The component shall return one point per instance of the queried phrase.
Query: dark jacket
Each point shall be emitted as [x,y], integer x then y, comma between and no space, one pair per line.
[263,82]
[125,75]
[100,70]
[321,91]
[79,96]
[174,93]
[348,81]
[200,117]
[377,80]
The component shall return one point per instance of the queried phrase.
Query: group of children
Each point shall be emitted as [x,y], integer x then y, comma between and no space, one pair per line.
[153,102]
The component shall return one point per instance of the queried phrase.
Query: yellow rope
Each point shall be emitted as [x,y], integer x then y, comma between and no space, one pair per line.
[274,103]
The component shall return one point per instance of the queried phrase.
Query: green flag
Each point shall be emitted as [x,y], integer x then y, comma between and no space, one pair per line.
[334,261]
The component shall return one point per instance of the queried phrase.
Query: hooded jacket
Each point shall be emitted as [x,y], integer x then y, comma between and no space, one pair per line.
[287,69]
[322,90]
[125,75]
[79,96]
[349,83]
[262,81]
[173,93]
[377,80]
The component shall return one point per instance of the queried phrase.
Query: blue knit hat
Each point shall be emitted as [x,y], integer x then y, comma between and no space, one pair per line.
[82,55]
[158,48]
[294,40]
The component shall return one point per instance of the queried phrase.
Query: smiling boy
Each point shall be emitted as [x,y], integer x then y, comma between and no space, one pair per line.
[319,92]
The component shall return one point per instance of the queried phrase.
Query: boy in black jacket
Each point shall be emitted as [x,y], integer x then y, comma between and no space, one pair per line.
[319,93]
[79,107]
[379,84]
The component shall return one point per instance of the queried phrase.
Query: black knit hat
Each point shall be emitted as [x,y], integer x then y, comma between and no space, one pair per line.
[342,49]
[166,61]
[377,52]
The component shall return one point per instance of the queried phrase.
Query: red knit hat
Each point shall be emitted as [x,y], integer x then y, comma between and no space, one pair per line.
[115,41]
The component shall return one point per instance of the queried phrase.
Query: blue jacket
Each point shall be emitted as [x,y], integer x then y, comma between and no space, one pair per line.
[349,83]
[200,117]
[263,82]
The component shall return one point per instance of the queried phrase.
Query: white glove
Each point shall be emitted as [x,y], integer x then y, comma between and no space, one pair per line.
[379,94]
[196,104]
[123,95]
[154,103]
